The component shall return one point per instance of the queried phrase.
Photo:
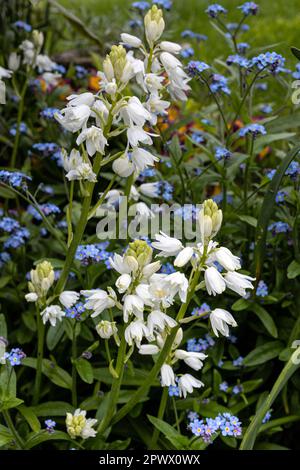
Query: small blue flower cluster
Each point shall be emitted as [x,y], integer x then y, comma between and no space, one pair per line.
[279,227]
[187,33]
[76,311]
[215,10]
[270,174]
[219,84]
[236,389]
[262,289]
[266,108]
[187,52]
[15,356]
[225,423]
[136,23]
[198,311]
[166,4]
[268,61]
[296,74]
[96,253]
[235,26]
[81,71]
[242,47]
[141,6]
[187,212]
[202,344]
[173,391]
[18,235]
[267,417]
[16,179]
[293,170]
[4,258]
[249,8]
[22,25]
[196,67]
[59,68]
[280,196]
[198,137]
[238,362]
[22,129]
[47,209]
[165,190]
[48,113]
[236,59]
[252,129]
[50,425]
[167,268]
[221,153]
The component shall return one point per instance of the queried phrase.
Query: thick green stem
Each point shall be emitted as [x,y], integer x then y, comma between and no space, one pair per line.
[247,181]
[74,371]
[160,415]
[142,390]
[39,363]
[19,120]
[79,230]
[115,389]
[255,425]
[19,441]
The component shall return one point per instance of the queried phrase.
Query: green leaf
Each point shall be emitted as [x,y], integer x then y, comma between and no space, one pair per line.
[293,270]
[133,379]
[5,436]
[249,220]
[265,318]
[56,374]
[8,382]
[84,370]
[54,335]
[36,439]
[241,304]
[3,328]
[4,280]
[52,408]
[263,353]
[253,429]
[264,140]
[30,417]
[179,442]
[296,52]
[76,22]
[266,211]
[9,402]
[251,385]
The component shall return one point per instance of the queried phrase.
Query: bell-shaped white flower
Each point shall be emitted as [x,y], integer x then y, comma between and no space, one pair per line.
[214,281]
[106,329]
[130,40]
[14,61]
[148,349]
[156,107]
[134,113]
[152,83]
[94,139]
[171,47]
[142,158]
[158,320]
[123,166]
[72,161]
[73,118]
[137,135]
[192,359]
[168,246]
[98,300]
[86,98]
[226,259]
[123,282]
[31,297]
[178,284]
[150,269]
[238,282]
[187,383]
[135,332]
[219,320]
[142,211]
[52,314]
[68,298]
[133,305]
[154,24]
[167,376]
[84,172]
[123,264]
[184,257]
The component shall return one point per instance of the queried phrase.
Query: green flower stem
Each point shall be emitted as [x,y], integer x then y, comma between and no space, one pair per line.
[19,441]
[115,389]
[255,425]
[40,352]
[247,179]
[19,120]
[98,204]
[142,390]
[160,415]
[74,371]
[79,229]
[69,213]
